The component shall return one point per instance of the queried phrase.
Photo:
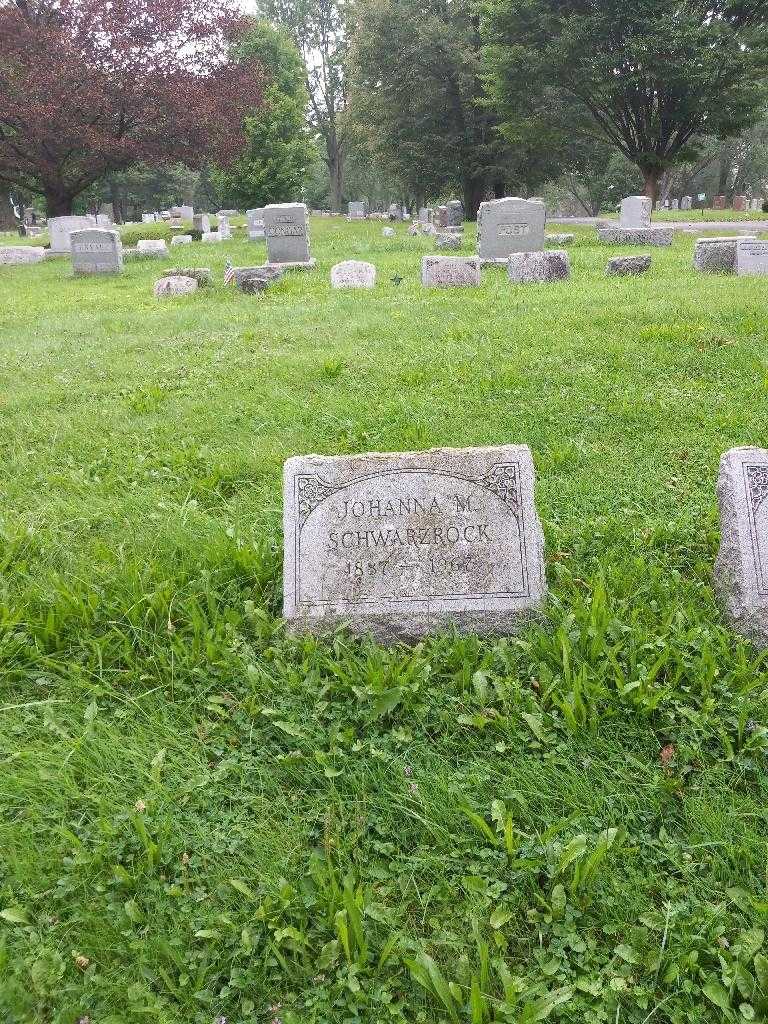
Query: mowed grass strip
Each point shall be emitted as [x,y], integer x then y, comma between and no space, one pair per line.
[203,817]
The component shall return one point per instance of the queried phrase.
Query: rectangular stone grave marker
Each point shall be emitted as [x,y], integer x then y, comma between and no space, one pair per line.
[450,271]
[96,251]
[201,222]
[17,255]
[357,211]
[741,570]
[635,213]
[255,224]
[400,545]
[751,257]
[287,233]
[507,226]
[60,228]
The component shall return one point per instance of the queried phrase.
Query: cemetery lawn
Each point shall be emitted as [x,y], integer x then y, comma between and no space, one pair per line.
[202,817]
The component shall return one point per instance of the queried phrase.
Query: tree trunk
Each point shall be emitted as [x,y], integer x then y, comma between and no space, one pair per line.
[335,162]
[58,203]
[8,220]
[474,193]
[651,183]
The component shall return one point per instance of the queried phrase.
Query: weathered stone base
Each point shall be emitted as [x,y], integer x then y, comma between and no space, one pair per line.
[628,266]
[252,280]
[202,275]
[411,628]
[736,574]
[18,255]
[539,267]
[635,236]
[308,265]
[716,255]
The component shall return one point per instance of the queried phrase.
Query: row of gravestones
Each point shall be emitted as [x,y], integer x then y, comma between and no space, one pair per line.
[401,545]
[741,204]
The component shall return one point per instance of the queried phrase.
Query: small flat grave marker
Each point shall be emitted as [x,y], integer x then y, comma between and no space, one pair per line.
[400,545]
[353,274]
[751,257]
[450,271]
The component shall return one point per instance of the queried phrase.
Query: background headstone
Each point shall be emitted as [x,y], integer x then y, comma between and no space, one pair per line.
[287,232]
[740,203]
[741,569]
[751,257]
[718,203]
[96,251]
[17,255]
[455,211]
[255,224]
[181,240]
[635,213]
[539,267]
[152,247]
[450,271]
[686,202]
[507,226]
[60,228]
[405,544]
[353,274]
[201,222]
[167,287]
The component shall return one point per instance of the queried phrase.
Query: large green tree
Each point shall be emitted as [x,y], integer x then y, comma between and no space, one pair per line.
[319,31]
[416,69]
[273,164]
[654,76]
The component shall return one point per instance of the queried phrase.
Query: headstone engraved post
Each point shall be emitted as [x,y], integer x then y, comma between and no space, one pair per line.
[255,224]
[507,226]
[634,227]
[201,222]
[287,233]
[741,570]
[96,251]
[60,228]
[686,202]
[405,544]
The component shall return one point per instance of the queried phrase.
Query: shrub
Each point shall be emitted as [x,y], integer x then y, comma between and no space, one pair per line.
[131,235]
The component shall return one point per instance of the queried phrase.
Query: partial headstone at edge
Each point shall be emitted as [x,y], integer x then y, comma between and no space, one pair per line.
[741,569]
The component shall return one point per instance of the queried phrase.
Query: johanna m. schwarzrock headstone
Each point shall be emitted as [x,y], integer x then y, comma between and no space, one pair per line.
[400,545]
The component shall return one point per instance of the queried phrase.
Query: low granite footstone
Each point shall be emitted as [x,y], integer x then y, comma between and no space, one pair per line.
[211,237]
[444,241]
[167,287]
[507,226]
[17,255]
[628,266]
[616,235]
[715,255]
[96,251]
[560,239]
[181,240]
[387,232]
[353,274]
[407,544]
[450,271]
[252,280]
[287,233]
[202,275]
[539,267]
[751,257]
[741,569]
[152,247]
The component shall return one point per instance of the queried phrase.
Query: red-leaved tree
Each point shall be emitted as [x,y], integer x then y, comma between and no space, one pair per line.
[92,86]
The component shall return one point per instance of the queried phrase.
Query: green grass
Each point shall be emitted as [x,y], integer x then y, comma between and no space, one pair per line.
[705,215]
[201,816]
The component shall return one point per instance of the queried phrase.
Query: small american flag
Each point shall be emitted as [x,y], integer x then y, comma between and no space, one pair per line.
[229,272]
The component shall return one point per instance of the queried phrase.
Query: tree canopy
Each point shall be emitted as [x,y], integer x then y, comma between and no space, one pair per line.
[273,165]
[92,86]
[655,77]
